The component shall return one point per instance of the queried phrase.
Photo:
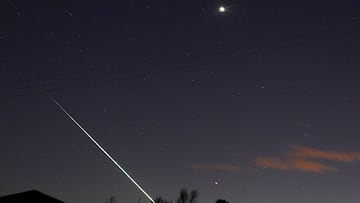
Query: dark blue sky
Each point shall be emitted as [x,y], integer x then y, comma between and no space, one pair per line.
[263,99]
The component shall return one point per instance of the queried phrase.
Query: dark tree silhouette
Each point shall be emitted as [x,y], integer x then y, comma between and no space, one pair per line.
[221,201]
[186,198]
[161,200]
[193,196]
[112,199]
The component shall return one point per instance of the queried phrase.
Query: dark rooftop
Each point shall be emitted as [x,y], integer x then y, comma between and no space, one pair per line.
[29,196]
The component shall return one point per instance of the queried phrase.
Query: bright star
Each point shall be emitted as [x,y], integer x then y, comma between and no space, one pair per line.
[222,9]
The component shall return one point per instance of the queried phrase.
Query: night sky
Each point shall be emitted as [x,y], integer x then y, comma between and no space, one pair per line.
[258,104]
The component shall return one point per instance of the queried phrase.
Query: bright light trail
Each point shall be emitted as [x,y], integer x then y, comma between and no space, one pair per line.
[102,149]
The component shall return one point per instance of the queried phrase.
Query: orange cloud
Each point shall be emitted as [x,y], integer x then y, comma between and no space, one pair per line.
[312,153]
[301,158]
[310,166]
[215,167]
[293,164]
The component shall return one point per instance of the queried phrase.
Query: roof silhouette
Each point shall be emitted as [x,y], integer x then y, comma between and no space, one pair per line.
[29,196]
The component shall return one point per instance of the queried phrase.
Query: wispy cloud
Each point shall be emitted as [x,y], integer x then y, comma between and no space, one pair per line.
[293,164]
[298,151]
[307,159]
[311,166]
[215,167]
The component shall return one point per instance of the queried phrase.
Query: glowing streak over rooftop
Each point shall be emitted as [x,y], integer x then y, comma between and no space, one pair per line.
[103,150]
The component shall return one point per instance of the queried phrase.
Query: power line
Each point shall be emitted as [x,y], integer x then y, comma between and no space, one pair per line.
[90,77]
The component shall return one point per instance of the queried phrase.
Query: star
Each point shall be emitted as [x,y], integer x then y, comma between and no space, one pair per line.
[222,9]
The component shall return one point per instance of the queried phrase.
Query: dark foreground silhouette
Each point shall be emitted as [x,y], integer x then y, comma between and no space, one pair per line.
[29,196]
[221,201]
[186,197]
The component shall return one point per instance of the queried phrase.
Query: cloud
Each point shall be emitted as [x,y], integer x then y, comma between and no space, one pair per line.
[301,158]
[215,167]
[311,166]
[298,151]
[293,164]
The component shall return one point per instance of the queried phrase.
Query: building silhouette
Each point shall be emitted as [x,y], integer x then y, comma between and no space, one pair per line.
[29,196]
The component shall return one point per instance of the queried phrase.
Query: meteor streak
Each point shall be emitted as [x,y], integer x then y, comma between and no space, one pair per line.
[102,149]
